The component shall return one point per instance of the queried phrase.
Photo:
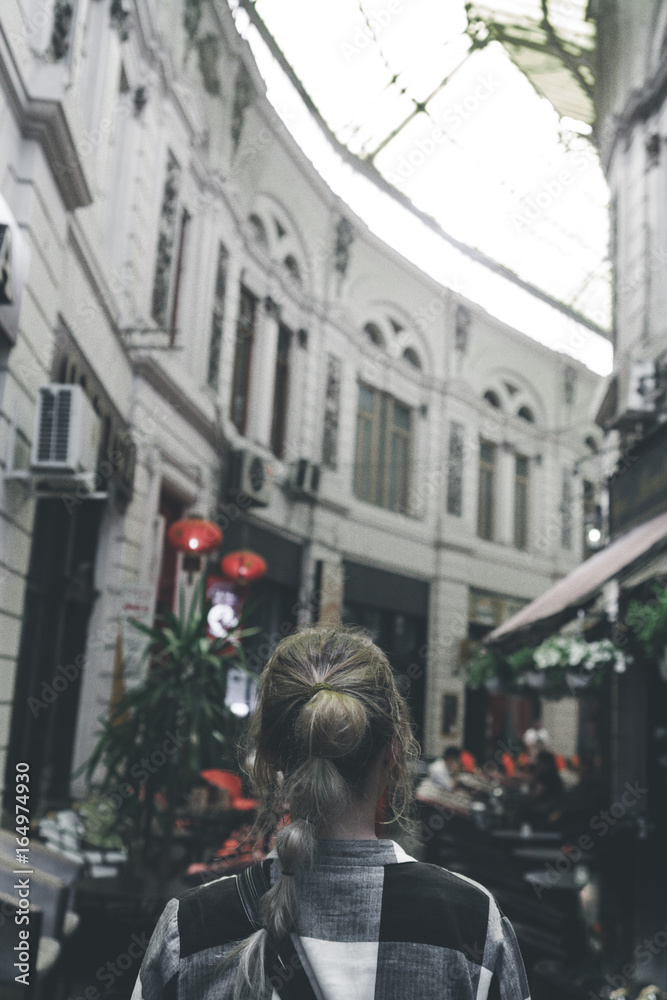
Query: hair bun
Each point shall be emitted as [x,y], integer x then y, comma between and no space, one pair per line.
[331,724]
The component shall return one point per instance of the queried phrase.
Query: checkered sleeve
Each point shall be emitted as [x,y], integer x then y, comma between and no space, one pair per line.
[158,975]
[508,981]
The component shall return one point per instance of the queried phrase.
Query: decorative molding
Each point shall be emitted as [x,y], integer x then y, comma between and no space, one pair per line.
[343,244]
[462,329]
[331,411]
[217,319]
[120,19]
[163,383]
[43,120]
[139,100]
[166,242]
[61,32]
[244,94]
[271,307]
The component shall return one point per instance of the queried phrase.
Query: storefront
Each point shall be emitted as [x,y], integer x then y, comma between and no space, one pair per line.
[492,716]
[394,611]
[272,604]
[609,617]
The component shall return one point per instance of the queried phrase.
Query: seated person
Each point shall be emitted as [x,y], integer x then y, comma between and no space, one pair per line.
[445,770]
[546,788]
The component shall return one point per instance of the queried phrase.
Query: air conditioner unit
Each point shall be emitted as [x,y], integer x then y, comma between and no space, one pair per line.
[66,439]
[304,479]
[250,474]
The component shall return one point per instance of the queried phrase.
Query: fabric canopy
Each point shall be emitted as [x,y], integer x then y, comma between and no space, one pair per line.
[580,586]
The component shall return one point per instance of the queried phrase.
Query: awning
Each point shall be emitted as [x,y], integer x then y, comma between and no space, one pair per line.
[581,586]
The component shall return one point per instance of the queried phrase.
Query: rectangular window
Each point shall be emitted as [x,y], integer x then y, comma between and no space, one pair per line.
[182,243]
[566,511]
[455,470]
[217,320]
[279,419]
[165,243]
[521,485]
[331,412]
[383,454]
[245,330]
[487,486]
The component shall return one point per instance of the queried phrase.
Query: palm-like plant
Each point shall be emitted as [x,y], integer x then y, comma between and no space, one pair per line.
[172,725]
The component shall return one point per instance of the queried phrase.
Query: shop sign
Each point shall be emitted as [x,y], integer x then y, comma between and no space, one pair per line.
[13,270]
[492,609]
[638,489]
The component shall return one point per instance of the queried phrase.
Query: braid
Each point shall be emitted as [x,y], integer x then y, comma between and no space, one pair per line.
[328,705]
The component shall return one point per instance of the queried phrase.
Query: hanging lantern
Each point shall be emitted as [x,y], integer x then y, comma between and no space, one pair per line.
[195,537]
[243,566]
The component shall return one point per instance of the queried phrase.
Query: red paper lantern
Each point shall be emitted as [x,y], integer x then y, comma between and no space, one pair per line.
[243,566]
[194,535]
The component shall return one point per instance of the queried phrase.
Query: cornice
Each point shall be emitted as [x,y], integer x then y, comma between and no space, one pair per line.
[640,105]
[44,120]
[149,369]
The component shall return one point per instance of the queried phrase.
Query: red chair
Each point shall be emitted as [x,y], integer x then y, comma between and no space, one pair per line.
[231,783]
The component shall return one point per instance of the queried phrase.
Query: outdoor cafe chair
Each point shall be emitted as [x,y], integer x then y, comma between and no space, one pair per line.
[44,951]
[52,863]
[46,891]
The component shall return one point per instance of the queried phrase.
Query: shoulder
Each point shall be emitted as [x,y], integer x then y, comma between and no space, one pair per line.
[426,903]
[434,882]
[211,915]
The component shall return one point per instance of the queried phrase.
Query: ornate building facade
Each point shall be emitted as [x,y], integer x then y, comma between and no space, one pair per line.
[245,348]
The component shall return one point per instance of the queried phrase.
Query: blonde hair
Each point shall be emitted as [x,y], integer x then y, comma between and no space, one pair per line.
[328,706]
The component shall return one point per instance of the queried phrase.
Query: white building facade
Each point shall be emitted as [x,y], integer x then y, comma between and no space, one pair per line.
[423,469]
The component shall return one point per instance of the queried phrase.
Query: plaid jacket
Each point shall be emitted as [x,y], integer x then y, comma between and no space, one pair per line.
[373,923]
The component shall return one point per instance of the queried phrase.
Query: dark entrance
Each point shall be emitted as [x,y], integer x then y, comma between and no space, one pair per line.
[394,610]
[170,510]
[59,598]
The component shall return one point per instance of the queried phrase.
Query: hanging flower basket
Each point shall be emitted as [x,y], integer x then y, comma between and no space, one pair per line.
[534,679]
[561,665]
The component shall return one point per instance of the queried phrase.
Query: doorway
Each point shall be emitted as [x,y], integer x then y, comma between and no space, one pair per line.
[59,598]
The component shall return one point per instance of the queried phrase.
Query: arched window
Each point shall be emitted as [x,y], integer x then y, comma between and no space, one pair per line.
[411,356]
[526,414]
[592,444]
[372,331]
[493,399]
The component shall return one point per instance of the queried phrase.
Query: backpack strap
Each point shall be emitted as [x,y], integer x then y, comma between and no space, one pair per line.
[284,970]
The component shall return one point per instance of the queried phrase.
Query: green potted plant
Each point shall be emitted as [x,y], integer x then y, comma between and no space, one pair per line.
[172,725]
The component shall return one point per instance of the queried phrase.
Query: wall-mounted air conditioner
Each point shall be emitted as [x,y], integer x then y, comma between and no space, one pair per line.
[304,480]
[250,474]
[65,440]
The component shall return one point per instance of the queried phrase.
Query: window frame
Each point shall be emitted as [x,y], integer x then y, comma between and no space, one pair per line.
[386,484]
[521,488]
[242,367]
[177,273]
[486,487]
[281,389]
[455,468]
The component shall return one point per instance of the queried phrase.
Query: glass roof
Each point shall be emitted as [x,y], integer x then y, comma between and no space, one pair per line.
[447,103]
[551,41]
